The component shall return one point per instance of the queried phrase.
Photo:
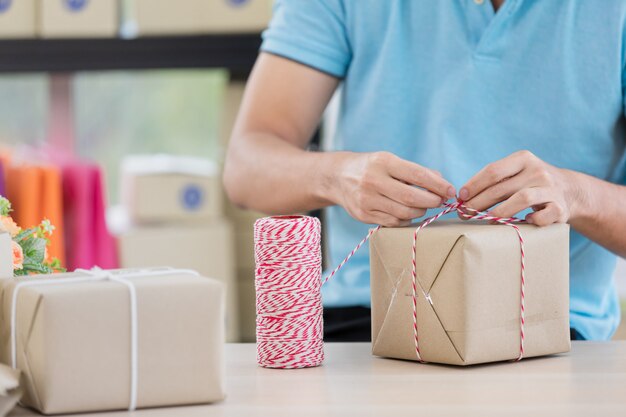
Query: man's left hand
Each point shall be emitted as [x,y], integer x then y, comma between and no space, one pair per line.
[521,181]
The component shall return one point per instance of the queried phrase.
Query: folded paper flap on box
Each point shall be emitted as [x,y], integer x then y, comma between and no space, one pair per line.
[9,379]
[469,280]
[395,322]
[10,390]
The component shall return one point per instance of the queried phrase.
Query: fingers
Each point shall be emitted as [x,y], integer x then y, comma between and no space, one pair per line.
[494,173]
[521,200]
[387,220]
[549,214]
[415,174]
[378,209]
[496,193]
[408,195]
[398,210]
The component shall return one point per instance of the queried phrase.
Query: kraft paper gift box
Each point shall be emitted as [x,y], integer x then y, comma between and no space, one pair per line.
[74,344]
[471,273]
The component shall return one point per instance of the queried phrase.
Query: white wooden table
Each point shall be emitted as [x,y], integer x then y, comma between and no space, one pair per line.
[589,381]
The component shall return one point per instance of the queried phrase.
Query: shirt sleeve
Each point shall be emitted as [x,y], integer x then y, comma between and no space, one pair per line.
[311,32]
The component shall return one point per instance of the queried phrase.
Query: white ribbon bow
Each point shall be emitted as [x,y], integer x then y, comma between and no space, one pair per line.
[97,274]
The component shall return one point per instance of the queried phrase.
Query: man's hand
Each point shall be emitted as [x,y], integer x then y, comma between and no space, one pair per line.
[381,188]
[522,181]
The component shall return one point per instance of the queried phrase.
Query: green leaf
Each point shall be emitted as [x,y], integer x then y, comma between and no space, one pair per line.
[24,234]
[5,206]
[34,250]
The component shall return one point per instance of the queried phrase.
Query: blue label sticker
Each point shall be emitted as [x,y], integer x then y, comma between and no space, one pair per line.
[237,3]
[76,5]
[5,5]
[192,197]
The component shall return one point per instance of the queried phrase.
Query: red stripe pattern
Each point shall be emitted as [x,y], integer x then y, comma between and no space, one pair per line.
[289,326]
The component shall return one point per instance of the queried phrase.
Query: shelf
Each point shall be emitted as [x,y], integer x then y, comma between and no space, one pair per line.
[236,53]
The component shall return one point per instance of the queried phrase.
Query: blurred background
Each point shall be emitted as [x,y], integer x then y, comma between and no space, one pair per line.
[114,120]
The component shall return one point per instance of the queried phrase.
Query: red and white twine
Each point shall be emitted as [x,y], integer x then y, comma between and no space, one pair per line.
[288,286]
[289,325]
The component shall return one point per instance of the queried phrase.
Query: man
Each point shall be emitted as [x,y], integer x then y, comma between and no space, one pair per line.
[520,103]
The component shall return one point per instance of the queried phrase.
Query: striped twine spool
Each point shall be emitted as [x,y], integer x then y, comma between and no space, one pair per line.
[289,324]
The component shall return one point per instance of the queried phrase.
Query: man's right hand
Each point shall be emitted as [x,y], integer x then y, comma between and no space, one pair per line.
[381,188]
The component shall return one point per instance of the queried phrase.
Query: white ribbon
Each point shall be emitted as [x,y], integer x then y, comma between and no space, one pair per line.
[97,274]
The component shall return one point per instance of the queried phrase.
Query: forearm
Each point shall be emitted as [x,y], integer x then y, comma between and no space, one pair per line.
[600,211]
[268,174]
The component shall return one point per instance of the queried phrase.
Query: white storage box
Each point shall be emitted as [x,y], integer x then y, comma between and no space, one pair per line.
[167,189]
[17,19]
[159,17]
[6,256]
[78,18]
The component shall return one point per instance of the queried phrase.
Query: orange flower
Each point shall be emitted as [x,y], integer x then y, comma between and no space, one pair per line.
[8,225]
[18,255]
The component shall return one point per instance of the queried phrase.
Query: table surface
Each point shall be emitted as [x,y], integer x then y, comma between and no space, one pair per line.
[588,381]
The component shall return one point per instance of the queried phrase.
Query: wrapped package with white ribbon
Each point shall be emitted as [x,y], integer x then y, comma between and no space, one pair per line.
[106,340]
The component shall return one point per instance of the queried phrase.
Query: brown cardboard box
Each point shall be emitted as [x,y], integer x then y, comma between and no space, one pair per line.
[206,248]
[173,198]
[74,341]
[6,256]
[78,18]
[247,304]
[157,17]
[230,108]
[471,271]
[17,19]
[169,188]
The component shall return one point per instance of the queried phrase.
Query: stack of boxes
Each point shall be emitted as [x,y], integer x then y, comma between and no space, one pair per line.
[58,18]
[102,18]
[174,211]
[243,224]
[155,17]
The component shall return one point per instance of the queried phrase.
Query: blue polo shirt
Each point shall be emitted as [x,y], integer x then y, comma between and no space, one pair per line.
[453,85]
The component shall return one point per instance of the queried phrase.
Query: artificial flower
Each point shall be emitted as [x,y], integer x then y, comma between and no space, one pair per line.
[8,225]
[18,256]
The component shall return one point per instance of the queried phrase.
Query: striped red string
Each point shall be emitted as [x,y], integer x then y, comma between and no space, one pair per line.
[289,325]
[288,285]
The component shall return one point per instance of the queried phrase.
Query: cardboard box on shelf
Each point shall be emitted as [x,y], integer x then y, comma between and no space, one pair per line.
[230,108]
[468,304]
[244,247]
[167,188]
[206,248]
[17,19]
[82,352]
[160,17]
[173,197]
[247,304]
[77,18]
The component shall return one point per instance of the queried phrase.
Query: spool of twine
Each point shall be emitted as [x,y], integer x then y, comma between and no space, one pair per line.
[289,324]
